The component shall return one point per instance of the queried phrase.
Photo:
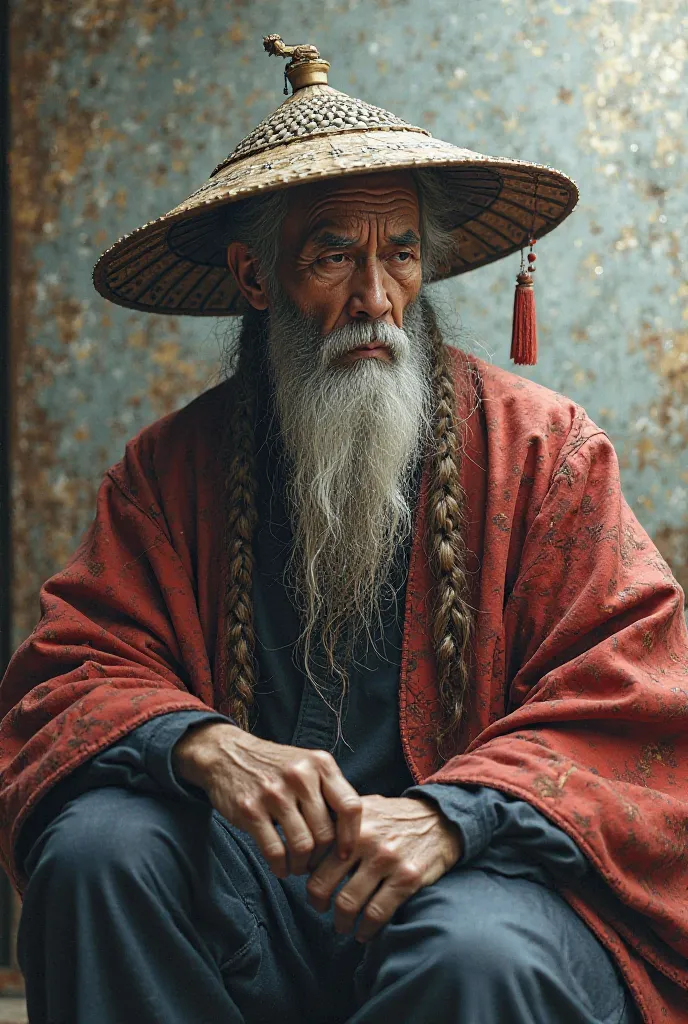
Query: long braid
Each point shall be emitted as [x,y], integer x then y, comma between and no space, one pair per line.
[452,617]
[240,521]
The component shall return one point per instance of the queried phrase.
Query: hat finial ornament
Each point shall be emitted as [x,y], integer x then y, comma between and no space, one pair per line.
[306,66]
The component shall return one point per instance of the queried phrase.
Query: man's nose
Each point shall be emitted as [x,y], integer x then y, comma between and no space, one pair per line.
[369,299]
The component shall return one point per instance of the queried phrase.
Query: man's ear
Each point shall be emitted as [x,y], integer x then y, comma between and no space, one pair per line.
[245,270]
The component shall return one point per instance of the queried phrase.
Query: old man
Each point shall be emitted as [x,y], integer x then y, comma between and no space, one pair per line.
[364,697]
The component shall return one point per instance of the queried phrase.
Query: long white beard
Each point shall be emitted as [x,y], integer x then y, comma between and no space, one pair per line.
[353,435]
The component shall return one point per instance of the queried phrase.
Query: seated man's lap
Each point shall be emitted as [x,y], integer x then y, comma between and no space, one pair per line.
[484,940]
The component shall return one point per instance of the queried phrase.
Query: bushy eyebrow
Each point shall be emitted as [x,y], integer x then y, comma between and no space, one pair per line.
[407,238]
[332,241]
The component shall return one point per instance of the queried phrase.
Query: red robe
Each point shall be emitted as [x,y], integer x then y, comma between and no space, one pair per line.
[580,688]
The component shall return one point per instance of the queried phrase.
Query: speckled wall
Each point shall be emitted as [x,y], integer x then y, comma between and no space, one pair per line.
[122,108]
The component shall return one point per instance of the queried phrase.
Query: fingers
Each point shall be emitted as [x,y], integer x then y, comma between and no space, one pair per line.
[322,828]
[269,843]
[389,897]
[303,779]
[347,805]
[325,879]
[299,839]
[299,791]
[258,818]
[353,897]
[378,886]
[308,831]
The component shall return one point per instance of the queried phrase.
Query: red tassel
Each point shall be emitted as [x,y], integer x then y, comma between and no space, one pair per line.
[524,331]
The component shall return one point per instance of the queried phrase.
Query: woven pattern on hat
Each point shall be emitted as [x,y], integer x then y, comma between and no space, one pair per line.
[323,111]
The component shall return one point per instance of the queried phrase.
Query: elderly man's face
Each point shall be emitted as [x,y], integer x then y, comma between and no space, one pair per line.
[350,251]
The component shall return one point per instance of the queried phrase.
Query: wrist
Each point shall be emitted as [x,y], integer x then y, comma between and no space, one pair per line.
[195,754]
[454,838]
[451,833]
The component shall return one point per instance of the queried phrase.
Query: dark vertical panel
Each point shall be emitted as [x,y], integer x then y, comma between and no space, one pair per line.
[5,364]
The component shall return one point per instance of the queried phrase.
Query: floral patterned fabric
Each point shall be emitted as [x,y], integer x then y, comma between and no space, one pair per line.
[580,684]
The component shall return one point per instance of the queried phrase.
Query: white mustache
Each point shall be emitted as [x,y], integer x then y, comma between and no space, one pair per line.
[345,339]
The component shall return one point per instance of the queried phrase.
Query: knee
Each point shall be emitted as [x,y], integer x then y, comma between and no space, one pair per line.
[488,948]
[481,934]
[108,833]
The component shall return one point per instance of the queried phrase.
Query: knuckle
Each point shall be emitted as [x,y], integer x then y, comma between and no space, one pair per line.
[247,807]
[374,914]
[409,875]
[345,903]
[351,805]
[386,855]
[323,760]
[304,844]
[274,791]
[275,858]
[297,772]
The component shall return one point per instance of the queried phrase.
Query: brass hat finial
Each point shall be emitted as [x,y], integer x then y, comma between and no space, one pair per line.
[306,66]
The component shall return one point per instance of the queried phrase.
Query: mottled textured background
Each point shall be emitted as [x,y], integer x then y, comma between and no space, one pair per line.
[122,108]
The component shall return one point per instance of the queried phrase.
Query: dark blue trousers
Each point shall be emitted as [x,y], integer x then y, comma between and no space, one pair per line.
[149,910]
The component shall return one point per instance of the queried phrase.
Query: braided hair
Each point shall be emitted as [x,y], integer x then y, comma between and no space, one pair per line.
[452,620]
[238,454]
[452,614]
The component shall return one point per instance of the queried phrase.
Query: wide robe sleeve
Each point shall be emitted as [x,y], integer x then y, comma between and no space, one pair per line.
[119,643]
[595,735]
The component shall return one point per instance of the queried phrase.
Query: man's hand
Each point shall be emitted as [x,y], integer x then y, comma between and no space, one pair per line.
[255,783]
[404,845]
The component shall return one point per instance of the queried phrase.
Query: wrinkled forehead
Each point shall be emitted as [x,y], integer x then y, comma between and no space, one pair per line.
[392,198]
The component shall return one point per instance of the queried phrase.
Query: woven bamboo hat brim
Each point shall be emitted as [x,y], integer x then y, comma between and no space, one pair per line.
[177,263]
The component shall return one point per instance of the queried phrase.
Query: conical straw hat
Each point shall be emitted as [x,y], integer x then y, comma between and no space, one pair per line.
[177,264]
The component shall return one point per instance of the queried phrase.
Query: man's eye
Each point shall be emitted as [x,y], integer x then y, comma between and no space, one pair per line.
[404,257]
[336,257]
